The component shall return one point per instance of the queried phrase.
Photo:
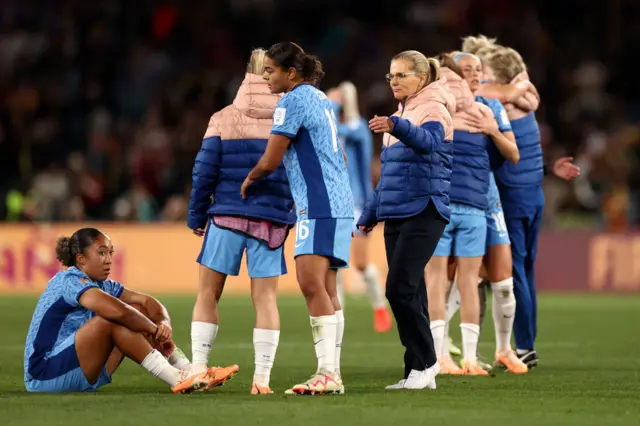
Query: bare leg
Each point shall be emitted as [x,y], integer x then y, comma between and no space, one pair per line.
[311,272]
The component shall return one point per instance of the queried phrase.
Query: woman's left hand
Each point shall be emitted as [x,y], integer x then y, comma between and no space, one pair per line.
[164,331]
[243,189]
[565,169]
[381,124]
[482,123]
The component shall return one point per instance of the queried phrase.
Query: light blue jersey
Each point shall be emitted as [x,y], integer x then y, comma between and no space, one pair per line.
[315,166]
[498,112]
[358,145]
[49,352]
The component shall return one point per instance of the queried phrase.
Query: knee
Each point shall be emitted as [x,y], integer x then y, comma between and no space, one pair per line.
[265,301]
[210,292]
[395,295]
[360,265]
[501,274]
[310,286]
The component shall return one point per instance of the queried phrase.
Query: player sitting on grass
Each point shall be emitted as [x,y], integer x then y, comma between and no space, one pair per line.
[85,324]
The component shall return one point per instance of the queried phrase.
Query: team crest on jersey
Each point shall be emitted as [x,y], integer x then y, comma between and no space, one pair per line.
[278,116]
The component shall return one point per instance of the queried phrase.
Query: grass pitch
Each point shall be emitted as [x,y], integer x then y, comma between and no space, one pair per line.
[589,374]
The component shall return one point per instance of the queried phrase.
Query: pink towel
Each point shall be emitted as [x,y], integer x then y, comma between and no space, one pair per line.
[273,234]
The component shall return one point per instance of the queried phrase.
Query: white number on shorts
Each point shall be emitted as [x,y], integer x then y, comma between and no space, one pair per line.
[302,230]
[498,218]
[334,129]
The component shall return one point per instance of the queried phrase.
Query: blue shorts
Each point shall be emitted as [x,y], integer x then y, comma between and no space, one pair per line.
[62,373]
[222,251]
[330,238]
[466,233]
[497,233]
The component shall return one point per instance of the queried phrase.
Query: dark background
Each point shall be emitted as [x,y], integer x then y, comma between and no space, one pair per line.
[103,104]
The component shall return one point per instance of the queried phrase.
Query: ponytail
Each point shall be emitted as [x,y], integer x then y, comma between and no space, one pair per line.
[289,55]
[434,70]
[63,251]
[312,69]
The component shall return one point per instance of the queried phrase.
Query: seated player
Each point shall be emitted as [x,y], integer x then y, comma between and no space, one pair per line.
[85,324]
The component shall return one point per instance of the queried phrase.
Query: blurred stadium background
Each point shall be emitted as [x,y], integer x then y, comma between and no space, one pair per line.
[103,105]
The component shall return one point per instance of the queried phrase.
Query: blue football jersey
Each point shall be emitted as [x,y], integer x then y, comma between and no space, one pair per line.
[314,163]
[498,112]
[59,314]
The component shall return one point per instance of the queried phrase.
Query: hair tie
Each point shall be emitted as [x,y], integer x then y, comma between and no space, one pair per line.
[462,55]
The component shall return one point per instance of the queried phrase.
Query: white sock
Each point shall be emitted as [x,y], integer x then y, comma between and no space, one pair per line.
[324,331]
[265,344]
[371,278]
[437,331]
[339,336]
[202,336]
[340,286]
[453,302]
[178,359]
[445,347]
[504,310]
[157,365]
[470,334]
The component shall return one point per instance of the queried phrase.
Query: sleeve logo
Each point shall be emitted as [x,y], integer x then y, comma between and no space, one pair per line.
[504,117]
[278,116]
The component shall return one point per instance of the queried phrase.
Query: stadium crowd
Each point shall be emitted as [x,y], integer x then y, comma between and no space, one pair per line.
[105,103]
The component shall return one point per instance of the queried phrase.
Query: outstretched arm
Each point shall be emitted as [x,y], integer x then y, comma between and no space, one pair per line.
[270,160]
[424,139]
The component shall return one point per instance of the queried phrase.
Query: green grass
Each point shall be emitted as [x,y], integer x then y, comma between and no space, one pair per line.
[589,375]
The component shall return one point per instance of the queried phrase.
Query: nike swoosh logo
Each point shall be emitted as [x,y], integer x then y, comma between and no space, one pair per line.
[507,316]
[299,244]
[315,343]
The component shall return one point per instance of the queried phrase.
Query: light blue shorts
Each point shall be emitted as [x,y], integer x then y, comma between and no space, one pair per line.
[329,237]
[466,233]
[222,251]
[497,233]
[60,372]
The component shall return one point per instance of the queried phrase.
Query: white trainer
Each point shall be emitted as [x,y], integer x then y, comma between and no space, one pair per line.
[396,386]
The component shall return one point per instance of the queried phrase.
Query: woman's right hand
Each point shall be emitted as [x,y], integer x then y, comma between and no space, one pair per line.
[365,229]
[198,232]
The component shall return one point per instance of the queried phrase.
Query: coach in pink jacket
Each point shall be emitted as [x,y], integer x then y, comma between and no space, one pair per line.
[233,143]
[412,198]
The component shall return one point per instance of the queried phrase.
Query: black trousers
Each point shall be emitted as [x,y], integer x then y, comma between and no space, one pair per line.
[410,243]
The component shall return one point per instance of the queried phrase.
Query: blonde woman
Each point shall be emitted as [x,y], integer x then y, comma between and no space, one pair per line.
[412,198]
[358,146]
[479,146]
[233,144]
